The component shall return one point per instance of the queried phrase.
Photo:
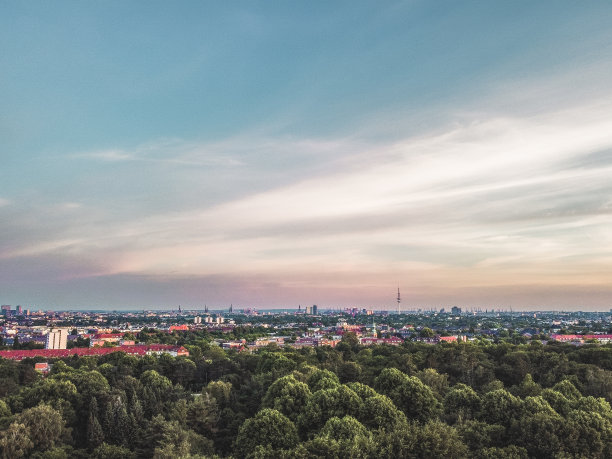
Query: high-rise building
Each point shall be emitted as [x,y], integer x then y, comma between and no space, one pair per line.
[314,309]
[6,309]
[308,310]
[19,310]
[57,338]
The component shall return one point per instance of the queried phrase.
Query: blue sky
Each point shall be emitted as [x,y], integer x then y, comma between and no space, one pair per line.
[271,154]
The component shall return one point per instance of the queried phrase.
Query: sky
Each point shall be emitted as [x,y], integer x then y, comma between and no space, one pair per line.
[283,153]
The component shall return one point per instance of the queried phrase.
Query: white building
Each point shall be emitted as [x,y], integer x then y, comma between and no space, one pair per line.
[56,338]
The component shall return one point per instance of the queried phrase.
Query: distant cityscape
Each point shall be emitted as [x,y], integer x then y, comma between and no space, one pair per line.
[26,333]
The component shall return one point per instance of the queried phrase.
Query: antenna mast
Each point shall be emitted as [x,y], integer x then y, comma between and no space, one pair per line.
[398,300]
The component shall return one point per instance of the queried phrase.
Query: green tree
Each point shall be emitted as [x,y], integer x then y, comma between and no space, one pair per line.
[461,403]
[350,340]
[95,435]
[478,435]
[436,439]
[426,332]
[500,407]
[322,379]
[106,451]
[276,363]
[568,390]
[45,425]
[541,435]
[389,380]
[349,371]
[5,411]
[117,425]
[49,390]
[328,403]
[15,441]
[203,415]
[156,389]
[342,438]
[268,428]
[557,401]
[346,428]
[183,371]
[507,452]
[416,400]
[221,391]
[587,434]
[528,387]
[533,405]
[178,442]
[88,383]
[437,382]
[379,412]
[288,396]
[362,390]
[431,440]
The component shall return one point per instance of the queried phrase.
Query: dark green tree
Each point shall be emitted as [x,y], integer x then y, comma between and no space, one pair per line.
[342,438]
[416,400]
[328,403]
[268,428]
[45,426]
[287,395]
[322,379]
[379,412]
[15,441]
[95,435]
[461,403]
[500,407]
[106,451]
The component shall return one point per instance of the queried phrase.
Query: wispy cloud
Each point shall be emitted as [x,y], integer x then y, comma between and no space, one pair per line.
[173,152]
[489,203]
[107,155]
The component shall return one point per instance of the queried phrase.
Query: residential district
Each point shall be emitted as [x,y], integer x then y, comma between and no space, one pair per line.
[25,333]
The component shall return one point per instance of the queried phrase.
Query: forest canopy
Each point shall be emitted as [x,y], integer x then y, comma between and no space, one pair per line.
[416,400]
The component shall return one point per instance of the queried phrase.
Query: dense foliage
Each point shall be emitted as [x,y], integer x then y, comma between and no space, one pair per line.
[415,400]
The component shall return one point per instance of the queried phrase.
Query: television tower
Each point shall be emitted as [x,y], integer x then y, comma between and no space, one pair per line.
[398,300]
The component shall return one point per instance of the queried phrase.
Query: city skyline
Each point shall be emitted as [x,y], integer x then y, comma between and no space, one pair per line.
[270,155]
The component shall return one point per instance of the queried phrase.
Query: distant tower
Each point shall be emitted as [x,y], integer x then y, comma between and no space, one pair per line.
[179,308]
[398,301]
[205,308]
[231,308]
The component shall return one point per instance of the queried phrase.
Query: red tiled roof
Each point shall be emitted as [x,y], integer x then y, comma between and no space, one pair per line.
[579,337]
[140,349]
